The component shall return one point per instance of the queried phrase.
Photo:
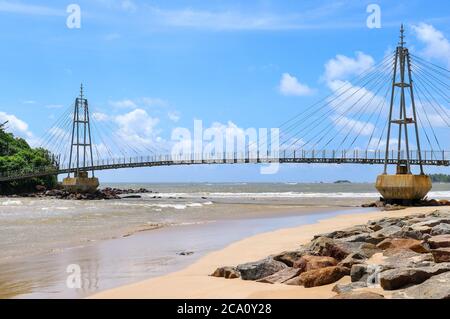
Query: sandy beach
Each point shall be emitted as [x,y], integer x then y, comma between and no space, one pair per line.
[195,282]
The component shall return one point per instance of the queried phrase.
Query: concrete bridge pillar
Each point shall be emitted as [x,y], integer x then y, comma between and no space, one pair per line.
[81,183]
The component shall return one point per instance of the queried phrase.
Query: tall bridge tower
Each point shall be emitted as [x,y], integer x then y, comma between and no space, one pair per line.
[404,185]
[81,149]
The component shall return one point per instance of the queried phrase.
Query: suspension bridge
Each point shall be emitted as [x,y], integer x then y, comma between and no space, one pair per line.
[383,116]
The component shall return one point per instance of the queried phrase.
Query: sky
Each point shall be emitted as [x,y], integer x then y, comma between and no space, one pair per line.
[149,67]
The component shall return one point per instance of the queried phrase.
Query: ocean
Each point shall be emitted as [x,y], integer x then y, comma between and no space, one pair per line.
[155,234]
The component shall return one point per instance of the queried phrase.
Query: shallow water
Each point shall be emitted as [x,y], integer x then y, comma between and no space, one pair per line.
[40,237]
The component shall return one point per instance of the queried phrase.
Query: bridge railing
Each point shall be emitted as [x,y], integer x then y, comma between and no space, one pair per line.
[308,156]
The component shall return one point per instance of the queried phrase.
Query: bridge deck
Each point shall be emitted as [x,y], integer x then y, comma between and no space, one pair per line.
[432,159]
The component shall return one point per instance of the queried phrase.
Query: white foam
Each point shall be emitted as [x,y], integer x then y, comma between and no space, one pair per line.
[11,202]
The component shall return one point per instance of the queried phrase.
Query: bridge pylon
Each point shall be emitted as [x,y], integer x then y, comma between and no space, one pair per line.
[403,185]
[81,156]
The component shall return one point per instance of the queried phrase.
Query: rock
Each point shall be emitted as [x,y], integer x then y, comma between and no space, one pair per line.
[358,295]
[397,278]
[367,250]
[186,253]
[226,272]
[289,257]
[131,196]
[322,276]
[405,259]
[389,231]
[362,238]
[402,243]
[343,288]
[260,269]
[352,259]
[439,241]
[324,246]
[361,272]
[281,276]
[441,229]
[308,262]
[347,232]
[437,287]
[441,255]
[408,232]
[433,222]
[41,188]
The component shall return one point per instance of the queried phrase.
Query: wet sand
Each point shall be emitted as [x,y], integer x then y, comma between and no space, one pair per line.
[112,263]
[194,281]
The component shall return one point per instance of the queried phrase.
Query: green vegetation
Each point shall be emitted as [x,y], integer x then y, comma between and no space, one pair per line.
[17,155]
[440,178]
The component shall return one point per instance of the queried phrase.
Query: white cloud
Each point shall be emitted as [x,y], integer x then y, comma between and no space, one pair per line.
[289,85]
[233,20]
[139,103]
[341,67]
[174,116]
[29,102]
[353,98]
[29,9]
[123,104]
[128,5]
[355,126]
[16,125]
[54,106]
[100,117]
[137,127]
[437,46]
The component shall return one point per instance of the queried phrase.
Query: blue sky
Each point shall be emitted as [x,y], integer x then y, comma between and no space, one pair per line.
[166,63]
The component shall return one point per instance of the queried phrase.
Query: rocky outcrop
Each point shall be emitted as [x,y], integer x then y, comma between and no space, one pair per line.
[103,194]
[322,276]
[437,287]
[226,272]
[358,295]
[260,269]
[398,278]
[290,257]
[309,262]
[281,276]
[403,243]
[441,255]
[409,256]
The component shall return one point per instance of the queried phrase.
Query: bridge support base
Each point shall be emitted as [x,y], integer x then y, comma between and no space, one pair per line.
[403,187]
[81,183]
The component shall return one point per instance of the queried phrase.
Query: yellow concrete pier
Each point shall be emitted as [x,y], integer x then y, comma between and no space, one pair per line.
[81,183]
[403,186]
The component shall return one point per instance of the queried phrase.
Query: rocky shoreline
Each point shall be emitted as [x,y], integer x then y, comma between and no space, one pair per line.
[107,193]
[405,257]
[397,205]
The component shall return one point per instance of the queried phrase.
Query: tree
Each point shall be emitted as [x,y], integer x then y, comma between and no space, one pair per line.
[17,155]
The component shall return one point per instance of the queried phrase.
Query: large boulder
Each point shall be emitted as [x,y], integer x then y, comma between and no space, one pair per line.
[281,276]
[358,295]
[347,232]
[365,273]
[441,255]
[226,272]
[260,269]
[398,278]
[343,288]
[353,259]
[324,246]
[403,243]
[437,287]
[405,259]
[322,276]
[309,262]
[289,257]
[389,231]
[439,241]
[441,229]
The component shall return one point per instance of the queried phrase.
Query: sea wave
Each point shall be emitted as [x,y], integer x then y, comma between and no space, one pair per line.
[436,194]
